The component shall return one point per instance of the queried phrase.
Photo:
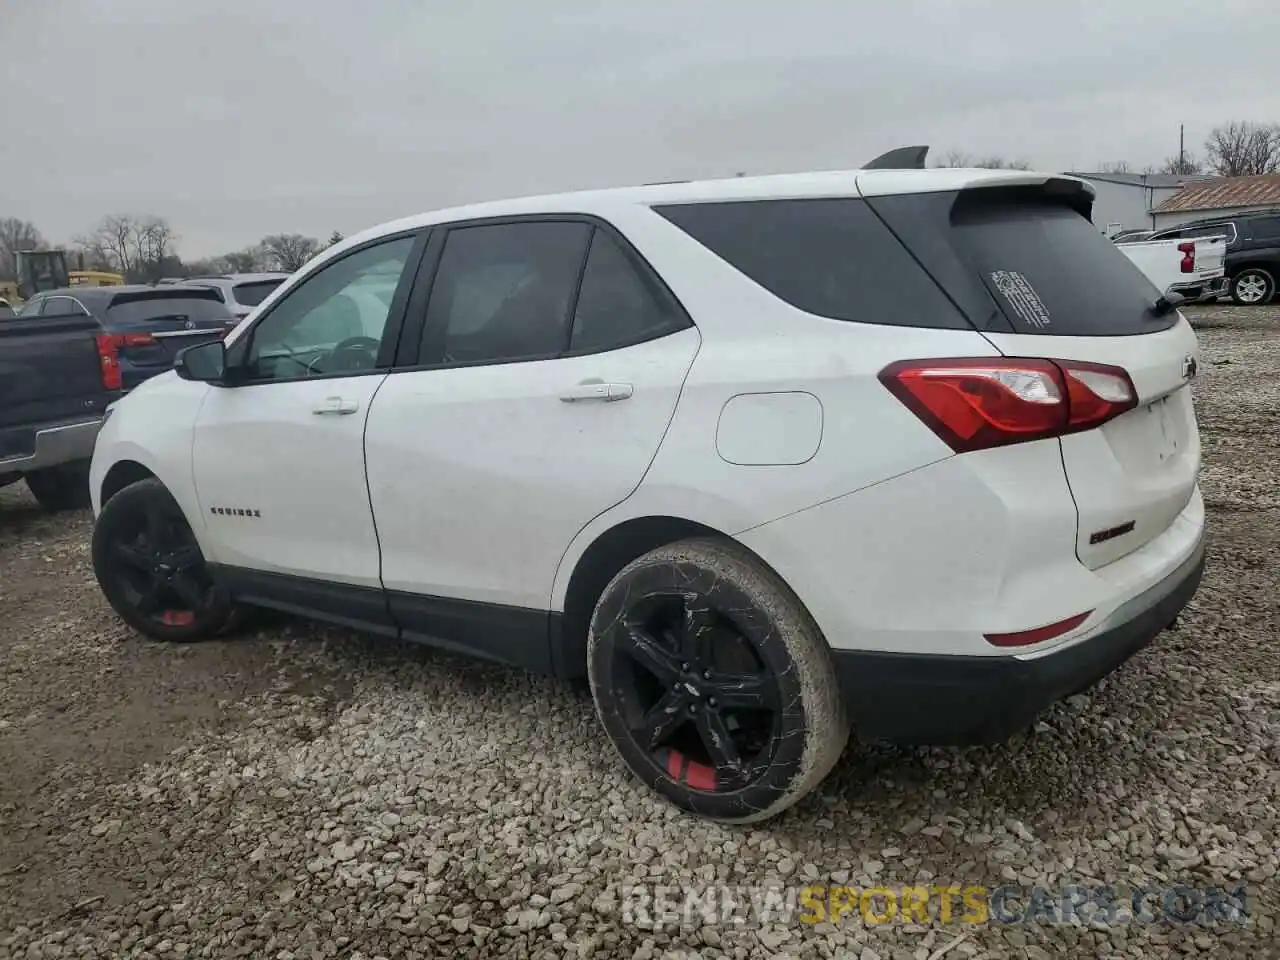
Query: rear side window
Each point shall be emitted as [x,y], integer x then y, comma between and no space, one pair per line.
[503,292]
[1024,260]
[830,257]
[154,306]
[1266,228]
[253,293]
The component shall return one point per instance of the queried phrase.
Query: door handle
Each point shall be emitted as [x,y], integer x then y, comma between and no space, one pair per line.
[338,406]
[596,390]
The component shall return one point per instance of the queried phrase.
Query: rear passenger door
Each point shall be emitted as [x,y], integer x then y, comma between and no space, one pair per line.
[547,371]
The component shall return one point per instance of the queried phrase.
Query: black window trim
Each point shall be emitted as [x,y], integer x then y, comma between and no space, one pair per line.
[406,360]
[392,333]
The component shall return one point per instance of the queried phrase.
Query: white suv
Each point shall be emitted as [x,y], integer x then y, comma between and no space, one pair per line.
[765,459]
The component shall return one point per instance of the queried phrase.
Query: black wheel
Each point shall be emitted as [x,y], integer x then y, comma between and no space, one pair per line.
[713,682]
[1252,286]
[151,569]
[64,487]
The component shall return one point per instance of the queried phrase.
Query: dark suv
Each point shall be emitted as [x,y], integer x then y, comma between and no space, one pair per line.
[1253,251]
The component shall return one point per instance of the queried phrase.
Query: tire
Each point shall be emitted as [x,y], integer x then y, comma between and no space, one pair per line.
[151,570]
[1252,286]
[65,487]
[670,697]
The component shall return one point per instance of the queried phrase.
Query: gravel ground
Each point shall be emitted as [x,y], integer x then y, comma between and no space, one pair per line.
[304,792]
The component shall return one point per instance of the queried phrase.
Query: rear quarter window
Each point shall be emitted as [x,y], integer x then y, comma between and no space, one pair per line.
[830,257]
[253,293]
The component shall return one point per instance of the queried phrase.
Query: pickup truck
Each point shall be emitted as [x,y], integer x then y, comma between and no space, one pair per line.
[57,377]
[1194,268]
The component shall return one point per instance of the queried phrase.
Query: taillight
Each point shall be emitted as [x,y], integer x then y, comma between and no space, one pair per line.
[109,358]
[1188,251]
[974,403]
[124,340]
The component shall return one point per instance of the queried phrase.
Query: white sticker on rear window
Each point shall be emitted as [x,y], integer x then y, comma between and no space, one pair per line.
[1022,297]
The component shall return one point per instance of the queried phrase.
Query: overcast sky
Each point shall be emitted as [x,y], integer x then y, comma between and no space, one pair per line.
[245,117]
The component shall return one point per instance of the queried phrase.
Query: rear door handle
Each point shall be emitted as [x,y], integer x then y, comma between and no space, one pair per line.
[596,390]
[336,406]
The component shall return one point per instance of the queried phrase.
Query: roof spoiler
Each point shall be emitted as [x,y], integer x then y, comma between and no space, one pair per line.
[903,158]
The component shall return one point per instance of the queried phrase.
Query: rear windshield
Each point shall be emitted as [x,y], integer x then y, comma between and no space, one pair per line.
[1023,260]
[834,258]
[153,306]
[252,294]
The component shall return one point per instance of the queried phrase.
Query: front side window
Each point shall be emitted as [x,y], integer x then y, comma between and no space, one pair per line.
[503,292]
[31,308]
[333,322]
[254,292]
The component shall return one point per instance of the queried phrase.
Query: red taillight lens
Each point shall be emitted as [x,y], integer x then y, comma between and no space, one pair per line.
[1188,251]
[109,357]
[975,403]
[124,340]
[1025,638]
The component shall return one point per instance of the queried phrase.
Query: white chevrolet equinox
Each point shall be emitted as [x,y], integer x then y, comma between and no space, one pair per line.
[907,453]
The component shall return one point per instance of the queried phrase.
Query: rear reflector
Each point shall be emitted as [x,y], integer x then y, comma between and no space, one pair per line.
[974,403]
[1025,638]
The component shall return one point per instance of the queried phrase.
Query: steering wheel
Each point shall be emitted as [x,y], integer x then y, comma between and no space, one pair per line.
[352,354]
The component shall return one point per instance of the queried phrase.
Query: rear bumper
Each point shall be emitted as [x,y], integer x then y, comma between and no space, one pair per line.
[1202,290]
[933,699]
[56,445]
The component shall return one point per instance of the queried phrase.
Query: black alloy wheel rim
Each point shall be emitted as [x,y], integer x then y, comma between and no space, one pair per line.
[160,569]
[695,695]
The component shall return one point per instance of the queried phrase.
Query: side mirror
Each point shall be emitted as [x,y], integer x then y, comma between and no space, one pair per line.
[206,362]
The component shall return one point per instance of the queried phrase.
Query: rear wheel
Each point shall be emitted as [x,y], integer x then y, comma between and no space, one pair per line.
[1252,286]
[64,487]
[151,569]
[713,683]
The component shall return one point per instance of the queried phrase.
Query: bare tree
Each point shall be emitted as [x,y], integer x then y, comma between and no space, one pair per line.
[1114,166]
[243,261]
[957,158]
[16,235]
[1185,165]
[335,238]
[1241,148]
[289,251]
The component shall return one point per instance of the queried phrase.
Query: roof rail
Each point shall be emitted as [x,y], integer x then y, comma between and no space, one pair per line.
[903,158]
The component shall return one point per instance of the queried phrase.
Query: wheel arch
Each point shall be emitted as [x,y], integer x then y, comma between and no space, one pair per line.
[122,474]
[609,552]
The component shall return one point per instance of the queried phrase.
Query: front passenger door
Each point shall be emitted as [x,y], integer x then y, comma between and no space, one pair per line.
[278,455]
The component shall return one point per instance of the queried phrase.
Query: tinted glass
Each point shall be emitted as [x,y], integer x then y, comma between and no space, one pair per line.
[1023,260]
[619,304]
[252,294]
[1265,228]
[503,292]
[333,321]
[61,307]
[833,258]
[1217,230]
[31,308]
[132,309]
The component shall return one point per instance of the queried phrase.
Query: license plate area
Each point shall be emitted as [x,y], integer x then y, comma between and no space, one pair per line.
[1160,427]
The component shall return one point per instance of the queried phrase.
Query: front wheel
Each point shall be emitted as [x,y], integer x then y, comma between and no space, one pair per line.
[713,682]
[1252,286]
[151,570]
